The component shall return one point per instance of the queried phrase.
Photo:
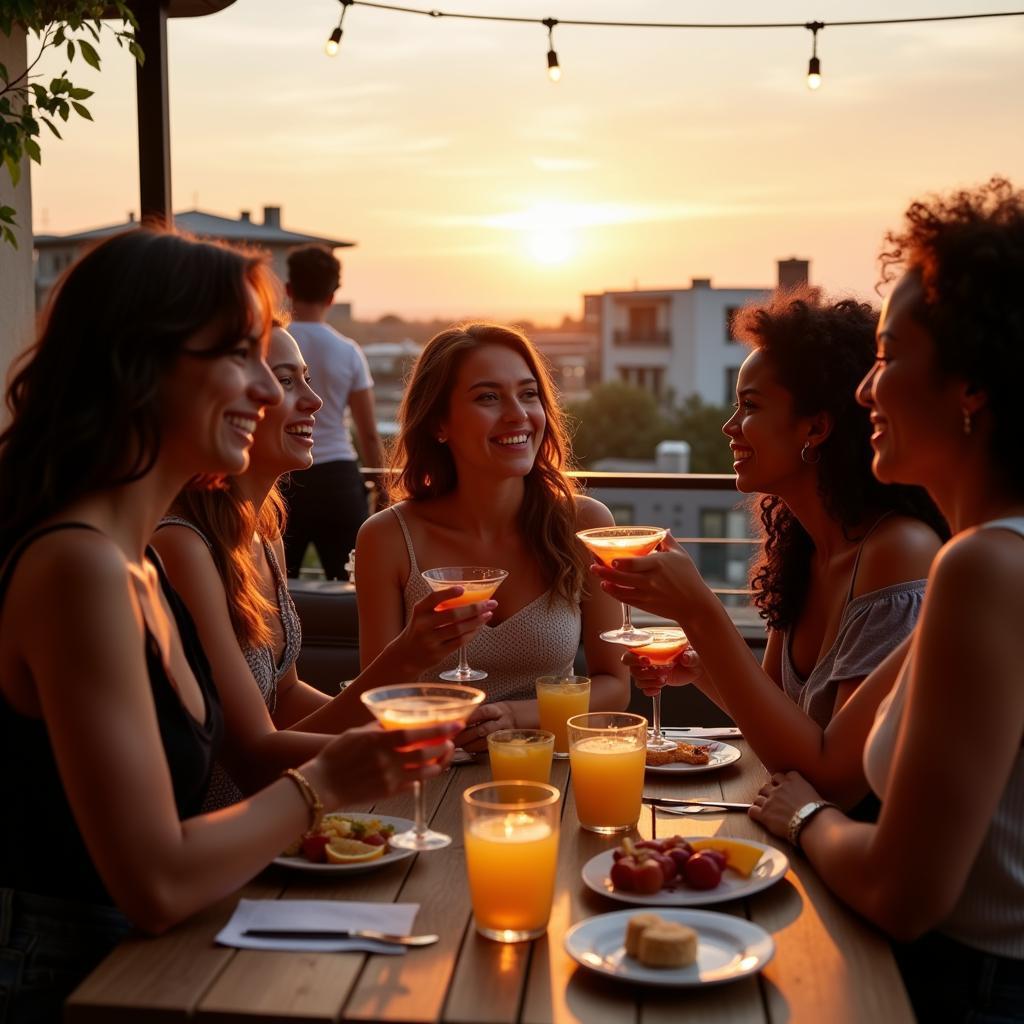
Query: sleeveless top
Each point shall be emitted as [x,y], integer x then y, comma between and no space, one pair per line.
[262,661]
[41,848]
[871,626]
[990,912]
[540,639]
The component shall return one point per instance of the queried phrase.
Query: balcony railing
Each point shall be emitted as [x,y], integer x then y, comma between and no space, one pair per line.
[629,336]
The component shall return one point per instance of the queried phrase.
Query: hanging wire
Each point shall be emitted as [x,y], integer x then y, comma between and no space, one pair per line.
[554,71]
[814,65]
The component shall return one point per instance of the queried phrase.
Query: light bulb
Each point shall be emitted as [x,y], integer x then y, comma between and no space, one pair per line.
[332,44]
[814,74]
[554,71]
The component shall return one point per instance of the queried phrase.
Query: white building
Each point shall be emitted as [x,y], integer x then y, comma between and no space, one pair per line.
[677,342]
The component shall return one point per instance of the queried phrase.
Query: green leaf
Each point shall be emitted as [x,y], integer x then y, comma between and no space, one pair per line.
[32,148]
[13,169]
[10,238]
[83,111]
[136,51]
[7,214]
[53,128]
[79,94]
[63,109]
[3,73]
[92,58]
[71,49]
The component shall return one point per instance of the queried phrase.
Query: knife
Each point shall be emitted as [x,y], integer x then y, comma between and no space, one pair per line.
[337,933]
[668,801]
[718,732]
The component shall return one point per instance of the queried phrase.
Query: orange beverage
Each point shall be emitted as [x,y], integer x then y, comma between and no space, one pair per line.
[607,751]
[520,754]
[558,699]
[667,644]
[608,548]
[472,592]
[511,833]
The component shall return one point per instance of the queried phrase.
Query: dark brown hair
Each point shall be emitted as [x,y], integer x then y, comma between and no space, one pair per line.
[424,467]
[314,273]
[820,349]
[85,399]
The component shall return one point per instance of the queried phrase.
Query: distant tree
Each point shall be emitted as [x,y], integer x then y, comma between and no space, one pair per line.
[700,425]
[617,421]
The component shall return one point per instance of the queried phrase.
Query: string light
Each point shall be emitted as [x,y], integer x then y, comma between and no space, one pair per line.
[334,40]
[814,65]
[554,71]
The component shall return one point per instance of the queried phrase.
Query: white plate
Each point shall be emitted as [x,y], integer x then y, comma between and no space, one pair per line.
[771,867]
[719,755]
[299,863]
[728,948]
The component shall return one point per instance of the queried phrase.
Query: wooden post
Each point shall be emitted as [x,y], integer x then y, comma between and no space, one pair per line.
[154,116]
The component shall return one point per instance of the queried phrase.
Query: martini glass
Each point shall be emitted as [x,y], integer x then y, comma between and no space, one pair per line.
[665,646]
[478,583]
[419,706]
[610,542]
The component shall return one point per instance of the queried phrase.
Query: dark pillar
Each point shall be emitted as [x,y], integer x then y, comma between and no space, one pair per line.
[154,118]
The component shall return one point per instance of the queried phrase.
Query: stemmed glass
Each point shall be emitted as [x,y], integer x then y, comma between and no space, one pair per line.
[419,706]
[610,542]
[665,646]
[478,584]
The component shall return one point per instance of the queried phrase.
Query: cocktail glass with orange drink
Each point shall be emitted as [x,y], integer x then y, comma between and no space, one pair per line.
[666,645]
[520,754]
[558,699]
[420,706]
[607,751]
[511,835]
[610,542]
[478,584]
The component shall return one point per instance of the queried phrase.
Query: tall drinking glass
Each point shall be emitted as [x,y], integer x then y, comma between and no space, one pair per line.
[666,645]
[478,584]
[610,542]
[607,751]
[558,699]
[419,706]
[511,835]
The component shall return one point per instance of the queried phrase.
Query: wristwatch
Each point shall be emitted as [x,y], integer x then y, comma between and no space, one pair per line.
[802,816]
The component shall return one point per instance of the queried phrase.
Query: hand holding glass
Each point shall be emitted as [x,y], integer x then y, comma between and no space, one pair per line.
[666,645]
[478,584]
[419,706]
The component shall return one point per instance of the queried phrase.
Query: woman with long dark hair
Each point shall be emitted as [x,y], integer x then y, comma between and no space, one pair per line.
[480,480]
[944,866]
[841,570]
[149,372]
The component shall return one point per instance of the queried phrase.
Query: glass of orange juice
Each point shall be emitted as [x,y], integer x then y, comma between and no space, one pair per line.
[558,699]
[521,754]
[511,832]
[607,750]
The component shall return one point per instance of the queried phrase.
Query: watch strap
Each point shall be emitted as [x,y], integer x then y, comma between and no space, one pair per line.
[803,815]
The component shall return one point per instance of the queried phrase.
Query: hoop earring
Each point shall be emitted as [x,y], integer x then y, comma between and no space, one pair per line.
[804,454]
[968,423]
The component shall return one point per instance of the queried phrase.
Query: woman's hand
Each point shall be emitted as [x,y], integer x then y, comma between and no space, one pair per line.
[368,762]
[430,636]
[779,799]
[650,679]
[664,583]
[485,719]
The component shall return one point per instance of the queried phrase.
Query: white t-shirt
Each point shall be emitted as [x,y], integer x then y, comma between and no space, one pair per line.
[337,367]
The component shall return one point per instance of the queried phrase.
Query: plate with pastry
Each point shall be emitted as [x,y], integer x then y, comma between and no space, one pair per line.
[670,948]
[704,756]
[678,871]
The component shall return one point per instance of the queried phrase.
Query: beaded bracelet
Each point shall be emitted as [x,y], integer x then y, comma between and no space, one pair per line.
[309,794]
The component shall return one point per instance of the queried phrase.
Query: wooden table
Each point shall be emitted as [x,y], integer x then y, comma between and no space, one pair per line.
[829,965]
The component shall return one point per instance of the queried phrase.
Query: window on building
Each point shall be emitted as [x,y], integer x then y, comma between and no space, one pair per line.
[624,515]
[643,323]
[724,564]
[731,375]
[730,318]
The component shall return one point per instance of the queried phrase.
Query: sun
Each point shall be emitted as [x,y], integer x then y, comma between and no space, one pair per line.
[550,245]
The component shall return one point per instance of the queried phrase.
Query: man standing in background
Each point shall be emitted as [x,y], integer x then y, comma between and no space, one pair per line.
[327,502]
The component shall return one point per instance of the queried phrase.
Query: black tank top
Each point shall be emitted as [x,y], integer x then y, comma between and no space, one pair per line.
[41,849]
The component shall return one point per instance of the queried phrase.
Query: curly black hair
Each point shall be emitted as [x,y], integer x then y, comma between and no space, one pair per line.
[968,249]
[820,349]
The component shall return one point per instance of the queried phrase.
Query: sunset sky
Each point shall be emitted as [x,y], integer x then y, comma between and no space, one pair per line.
[475,186]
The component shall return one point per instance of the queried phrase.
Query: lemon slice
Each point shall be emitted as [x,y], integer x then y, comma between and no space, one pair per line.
[351,851]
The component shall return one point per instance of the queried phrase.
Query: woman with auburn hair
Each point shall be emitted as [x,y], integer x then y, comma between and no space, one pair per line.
[149,371]
[223,552]
[480,480]
[944,866]
[840,575]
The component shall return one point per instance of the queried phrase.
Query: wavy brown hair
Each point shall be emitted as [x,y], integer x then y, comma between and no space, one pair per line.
[229,522]
[424,468]
[968,249]
[85,400]
[820,349]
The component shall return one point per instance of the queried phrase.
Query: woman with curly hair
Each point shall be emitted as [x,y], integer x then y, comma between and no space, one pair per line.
[479,479]
[841,573]
[945,863]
